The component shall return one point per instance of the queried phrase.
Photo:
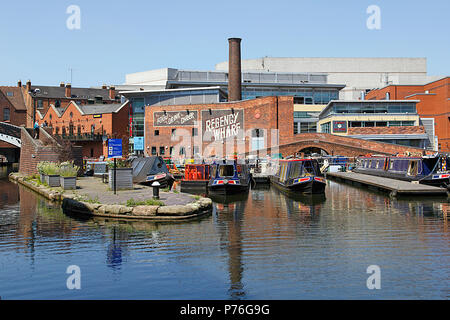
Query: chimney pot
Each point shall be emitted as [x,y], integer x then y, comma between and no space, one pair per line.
[234,70]
[19,83]
[68,90]
[112,92]
[28,85]
[104,86]
[61,84]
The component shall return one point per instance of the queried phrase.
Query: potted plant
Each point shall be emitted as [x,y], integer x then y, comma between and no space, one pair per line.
[68,175]
[51,172]
[41,170]
[123,175]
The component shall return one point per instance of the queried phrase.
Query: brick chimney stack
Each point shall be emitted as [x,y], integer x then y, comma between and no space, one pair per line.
[19,83]
[68,90]
[234,70]
[112,92]
[28,85]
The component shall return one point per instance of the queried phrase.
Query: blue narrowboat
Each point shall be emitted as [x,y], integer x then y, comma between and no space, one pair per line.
[430,170]
[229,177]
[299,175]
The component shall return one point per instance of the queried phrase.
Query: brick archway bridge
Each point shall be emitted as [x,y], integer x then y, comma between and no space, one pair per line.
[10,142]
[338,145]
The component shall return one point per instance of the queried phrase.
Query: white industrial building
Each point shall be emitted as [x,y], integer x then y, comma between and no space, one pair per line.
[358,74]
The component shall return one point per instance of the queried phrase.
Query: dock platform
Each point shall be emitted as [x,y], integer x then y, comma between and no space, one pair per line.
[393,186]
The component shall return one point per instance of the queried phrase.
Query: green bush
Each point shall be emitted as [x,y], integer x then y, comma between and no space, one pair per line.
[68,169]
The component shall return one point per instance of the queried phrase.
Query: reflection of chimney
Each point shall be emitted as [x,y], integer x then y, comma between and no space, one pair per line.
[19,83]
[234,70]
[61,85]
[28,85]
[112,92]
[68,90]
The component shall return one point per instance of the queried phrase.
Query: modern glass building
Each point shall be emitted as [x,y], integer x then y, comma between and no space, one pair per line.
[391,121]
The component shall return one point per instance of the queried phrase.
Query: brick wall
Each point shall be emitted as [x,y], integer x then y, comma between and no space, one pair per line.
[45,148]
[265,113]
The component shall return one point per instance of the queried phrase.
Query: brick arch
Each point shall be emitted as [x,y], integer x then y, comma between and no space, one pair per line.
[316,146]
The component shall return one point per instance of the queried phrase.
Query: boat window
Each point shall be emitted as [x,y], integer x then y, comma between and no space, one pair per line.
[308,168]
[226,171]
[413,167]
[295,170]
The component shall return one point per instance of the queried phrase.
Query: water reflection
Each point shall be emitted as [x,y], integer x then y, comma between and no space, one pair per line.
[258,245]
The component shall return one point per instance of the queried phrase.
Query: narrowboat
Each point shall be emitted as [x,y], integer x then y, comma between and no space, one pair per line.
[261,171]
[147,170]
[229,177]
[430,170]
[196,178]
[299,175]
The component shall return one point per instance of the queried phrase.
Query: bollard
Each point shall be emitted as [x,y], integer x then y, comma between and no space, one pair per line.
[156,186]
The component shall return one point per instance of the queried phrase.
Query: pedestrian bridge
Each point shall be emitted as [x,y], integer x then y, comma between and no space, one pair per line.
[10,134]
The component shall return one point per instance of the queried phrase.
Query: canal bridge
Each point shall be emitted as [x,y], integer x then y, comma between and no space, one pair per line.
[331,144]
[10,143]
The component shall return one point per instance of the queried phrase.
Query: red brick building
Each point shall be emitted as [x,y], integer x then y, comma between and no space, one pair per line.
[434,102]
[88,125]
[218,129]
[40,98]
[12,106]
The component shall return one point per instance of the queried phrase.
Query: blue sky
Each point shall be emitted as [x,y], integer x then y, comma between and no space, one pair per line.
[120,37]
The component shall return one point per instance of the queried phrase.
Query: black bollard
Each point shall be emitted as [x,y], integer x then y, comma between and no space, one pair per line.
[156,186]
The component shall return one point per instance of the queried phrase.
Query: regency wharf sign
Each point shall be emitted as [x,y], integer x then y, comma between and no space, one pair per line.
[223,124]
[174,118]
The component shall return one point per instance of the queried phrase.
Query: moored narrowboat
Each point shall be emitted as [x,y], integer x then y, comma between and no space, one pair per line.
[229,177]
[196,178]
[430,170]
[299,175]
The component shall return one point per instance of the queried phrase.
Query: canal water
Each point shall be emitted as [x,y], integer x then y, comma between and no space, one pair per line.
[263,245]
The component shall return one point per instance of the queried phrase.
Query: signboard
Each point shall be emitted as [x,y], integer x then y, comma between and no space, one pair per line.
[174,118]
[115,148]
[96,116]
[339,126]
[223,124]
[138,143]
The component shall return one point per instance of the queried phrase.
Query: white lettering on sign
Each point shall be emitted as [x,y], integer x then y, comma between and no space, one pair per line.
[224,126]
[178,118]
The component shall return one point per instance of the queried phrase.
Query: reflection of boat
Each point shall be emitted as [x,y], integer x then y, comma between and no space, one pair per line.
[196,178]
[431,170]
[150,169]
[305,198]
[299,175]
[229,177]
[226,199]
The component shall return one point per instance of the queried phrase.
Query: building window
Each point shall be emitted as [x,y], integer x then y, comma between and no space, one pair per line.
[171,150]
[40,104]
[153,151]
[161,150]
[6,114]
[307,127]
[257,133]
[156,132]
[296,127]
[10,94]
[355,124]
[194,132]
[325,127]
[196,150]
[182,151]
[57,130]
[299,100]
[174,132]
